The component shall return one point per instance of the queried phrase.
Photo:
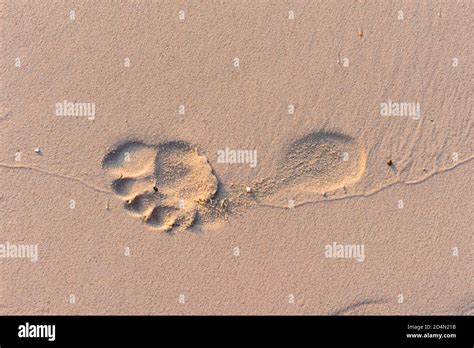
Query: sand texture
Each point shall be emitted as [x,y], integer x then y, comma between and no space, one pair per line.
[236,157]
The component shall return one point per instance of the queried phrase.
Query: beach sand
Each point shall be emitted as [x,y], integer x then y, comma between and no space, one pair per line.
[137,204]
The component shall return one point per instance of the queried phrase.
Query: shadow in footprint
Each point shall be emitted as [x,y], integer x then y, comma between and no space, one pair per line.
[317,163]
[168,185]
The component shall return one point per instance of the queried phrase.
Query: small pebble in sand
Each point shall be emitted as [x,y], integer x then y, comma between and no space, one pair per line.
[390,163]
[38,150]
[361,33]
[248,189]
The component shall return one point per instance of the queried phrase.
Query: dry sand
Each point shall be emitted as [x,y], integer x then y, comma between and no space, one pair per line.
[132,209]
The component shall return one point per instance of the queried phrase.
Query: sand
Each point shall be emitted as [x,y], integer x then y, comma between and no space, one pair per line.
[306,157]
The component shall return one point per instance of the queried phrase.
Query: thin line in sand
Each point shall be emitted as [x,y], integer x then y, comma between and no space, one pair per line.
[371,193]
[356,305]
[101,190]
[58,175]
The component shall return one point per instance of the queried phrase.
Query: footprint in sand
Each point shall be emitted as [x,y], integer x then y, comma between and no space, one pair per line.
[171,187]
[316,164]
